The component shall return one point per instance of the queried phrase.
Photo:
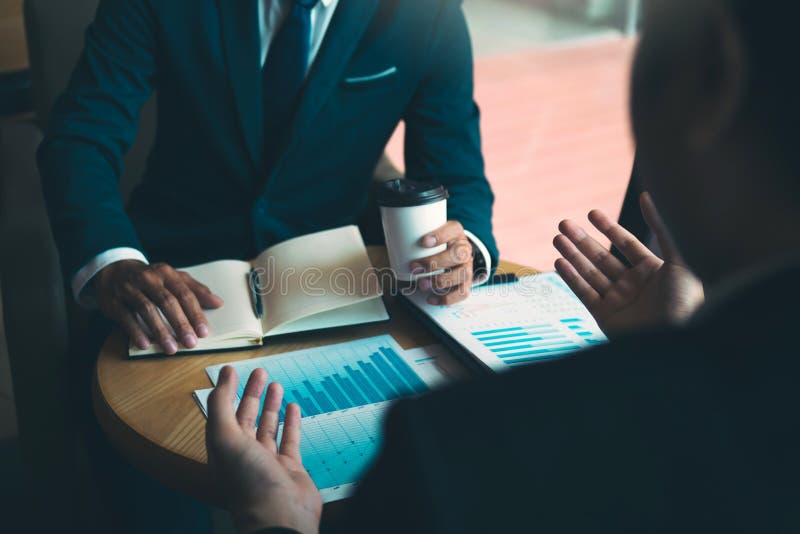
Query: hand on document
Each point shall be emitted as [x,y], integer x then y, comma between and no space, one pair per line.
[163,297]
[455,283]
[261,484]
[652,291]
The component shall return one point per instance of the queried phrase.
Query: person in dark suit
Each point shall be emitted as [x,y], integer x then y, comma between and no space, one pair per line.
[668,428]
[272,116]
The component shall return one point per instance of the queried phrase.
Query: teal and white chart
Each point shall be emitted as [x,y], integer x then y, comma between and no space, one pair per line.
[344,392]
[508,325]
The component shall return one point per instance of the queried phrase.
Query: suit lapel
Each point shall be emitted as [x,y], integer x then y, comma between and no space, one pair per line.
[348,25]
[242,48]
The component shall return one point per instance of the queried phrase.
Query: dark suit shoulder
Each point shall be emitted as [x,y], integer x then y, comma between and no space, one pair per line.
[672,428]
[698,369]
[685,430]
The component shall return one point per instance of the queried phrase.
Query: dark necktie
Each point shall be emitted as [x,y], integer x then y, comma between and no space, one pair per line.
[284,73]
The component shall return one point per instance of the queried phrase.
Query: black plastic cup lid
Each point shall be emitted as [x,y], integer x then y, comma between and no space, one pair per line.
[402,193]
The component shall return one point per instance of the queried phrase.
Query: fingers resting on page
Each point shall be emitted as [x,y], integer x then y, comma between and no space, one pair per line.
[169,303]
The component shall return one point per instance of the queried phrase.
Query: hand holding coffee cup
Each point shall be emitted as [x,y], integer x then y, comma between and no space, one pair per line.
[454,265]
[424,247]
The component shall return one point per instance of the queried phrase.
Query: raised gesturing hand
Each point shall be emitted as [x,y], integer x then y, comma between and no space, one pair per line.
[262,485]
[650,292]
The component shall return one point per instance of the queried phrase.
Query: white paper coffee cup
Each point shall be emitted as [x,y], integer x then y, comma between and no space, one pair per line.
[410,210]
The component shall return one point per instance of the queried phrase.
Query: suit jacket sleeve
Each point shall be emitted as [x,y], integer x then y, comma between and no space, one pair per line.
[443,141]
[91,127]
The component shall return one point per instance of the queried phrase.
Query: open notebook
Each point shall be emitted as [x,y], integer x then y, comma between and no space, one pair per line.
[313,282]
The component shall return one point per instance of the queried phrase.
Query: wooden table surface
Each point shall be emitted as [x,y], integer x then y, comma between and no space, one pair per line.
[147,409]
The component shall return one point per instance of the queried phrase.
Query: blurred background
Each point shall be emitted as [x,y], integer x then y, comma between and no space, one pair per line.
[551,81]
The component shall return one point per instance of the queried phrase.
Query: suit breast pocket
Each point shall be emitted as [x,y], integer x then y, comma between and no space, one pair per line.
[383,78]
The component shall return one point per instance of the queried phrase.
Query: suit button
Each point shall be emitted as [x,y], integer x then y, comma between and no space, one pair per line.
[261,207]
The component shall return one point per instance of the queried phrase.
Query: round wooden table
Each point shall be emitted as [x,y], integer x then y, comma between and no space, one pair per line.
[146,406]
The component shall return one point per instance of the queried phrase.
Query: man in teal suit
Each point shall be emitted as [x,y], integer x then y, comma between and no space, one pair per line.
[272,115]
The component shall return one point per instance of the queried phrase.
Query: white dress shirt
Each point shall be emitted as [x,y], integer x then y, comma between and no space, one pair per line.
[271,15]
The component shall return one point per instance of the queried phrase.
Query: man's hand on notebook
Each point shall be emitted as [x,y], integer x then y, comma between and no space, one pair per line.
[129,287]
[650,292]
[262,485]
[455,283]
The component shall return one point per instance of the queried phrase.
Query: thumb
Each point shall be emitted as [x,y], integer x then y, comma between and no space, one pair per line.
[653,219]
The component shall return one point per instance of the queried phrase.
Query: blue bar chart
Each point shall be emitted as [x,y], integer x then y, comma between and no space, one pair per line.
[506,325]
[336,377]
[523,344]
[338,447]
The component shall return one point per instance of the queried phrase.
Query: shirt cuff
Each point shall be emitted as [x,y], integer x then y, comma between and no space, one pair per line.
[477,243]
[83,295]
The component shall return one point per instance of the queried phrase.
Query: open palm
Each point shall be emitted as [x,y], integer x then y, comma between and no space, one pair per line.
[262,485]
[649,292]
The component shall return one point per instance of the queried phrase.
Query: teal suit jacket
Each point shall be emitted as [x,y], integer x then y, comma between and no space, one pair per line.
[207,193]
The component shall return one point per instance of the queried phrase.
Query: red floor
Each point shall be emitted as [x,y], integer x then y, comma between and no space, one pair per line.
[556,140]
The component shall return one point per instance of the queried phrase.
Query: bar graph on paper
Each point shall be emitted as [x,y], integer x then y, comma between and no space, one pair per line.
[344,391]
[338,447]
[336,377]
[509,325]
